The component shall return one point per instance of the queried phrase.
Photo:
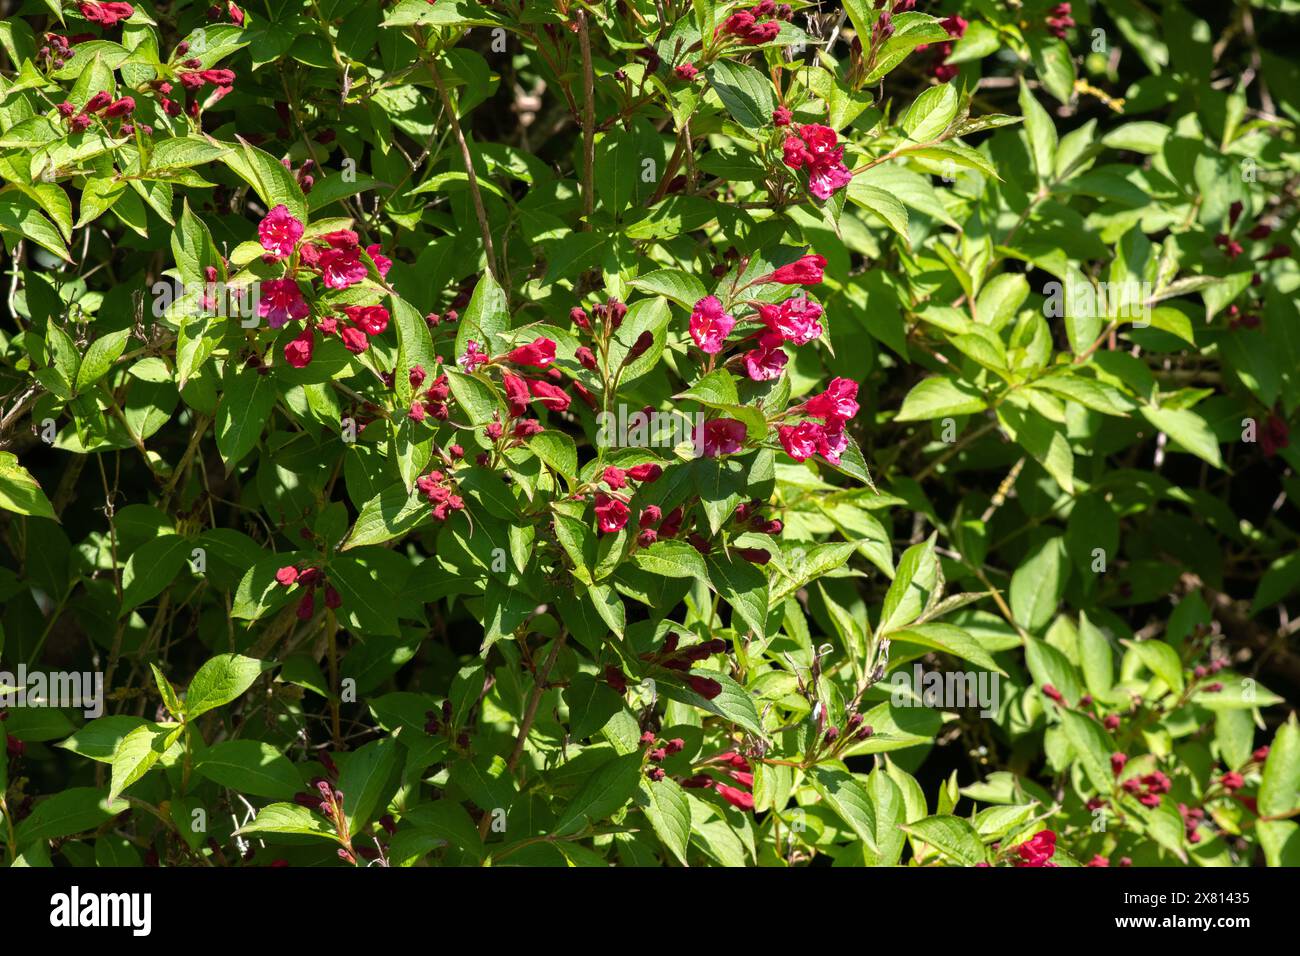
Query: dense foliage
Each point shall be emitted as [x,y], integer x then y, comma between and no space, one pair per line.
[654,432]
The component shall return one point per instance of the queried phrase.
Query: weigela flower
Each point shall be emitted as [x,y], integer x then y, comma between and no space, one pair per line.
[781,116]
[341,267]
[800,441]
[107,14]
[474,356]
[686,71]
[648,472]
[122,107]
[538,353]
[767,361]
[382,262]
[837,404]
[710,325]
[723,436]
[354,339]
[97,102]
[806,270]
[706,687]
[616,478]
[611,514]
[373,319]
[517,397]
[734,796]
[815,147]
[1038,849]
[832,443]
[551,396]
[297,352]
[279,301]
[279,232]
[796,320]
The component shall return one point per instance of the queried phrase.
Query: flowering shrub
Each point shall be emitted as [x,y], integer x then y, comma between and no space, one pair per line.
[648,433]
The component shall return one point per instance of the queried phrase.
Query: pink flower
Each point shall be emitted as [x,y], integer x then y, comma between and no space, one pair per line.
[517,397]
[723,436]
[108,14]
[806,270]
[825,181]
[538,353]
[765,362]
[611,514]
[552,396]
[837,404]
[474,356]
[382,262]
[280,300]
[796,319]
[831,443]
[706,687]
[341,268]
[279,232]
[710,325]
[373,319]
[354,340]
[781,116]
[297,352]
[122,107]
[815,147]
[286,575]
[1038,849]
[614,477]
[686,71]
[736,797]
[649,472]
[800,441]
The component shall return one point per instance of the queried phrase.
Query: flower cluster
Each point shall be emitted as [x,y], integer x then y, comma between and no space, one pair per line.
[309,578]
[1059,20]
[440,490]
[955,25]
[732,766]
[759,24]
[835,407]
[338,259]
[101,104]
[106,14]
[815,148]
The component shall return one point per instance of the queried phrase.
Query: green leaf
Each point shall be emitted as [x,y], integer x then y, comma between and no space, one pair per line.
[1279,793]
[366,778]
[1038,584]
[611,786]
[138,751]
[99,358]
[1092,746]
[151,568]
[222,679]
[1163,661]
[746,93]
[744,587]
[72,811]
[952,836]
[665,805]
[849,799]
[250,766]
[243,412]
[20,492]
[938,397]
[288,818]
[1189,429]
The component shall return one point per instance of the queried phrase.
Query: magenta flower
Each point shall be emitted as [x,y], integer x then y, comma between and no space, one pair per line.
[800,441]
[279,301]
[796,319]
[279,232]
[710,325]
[372,319]
[723,436]
[538,353]
[297,352]
[837,404]
[765,362]
[341,268]
[611,514]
